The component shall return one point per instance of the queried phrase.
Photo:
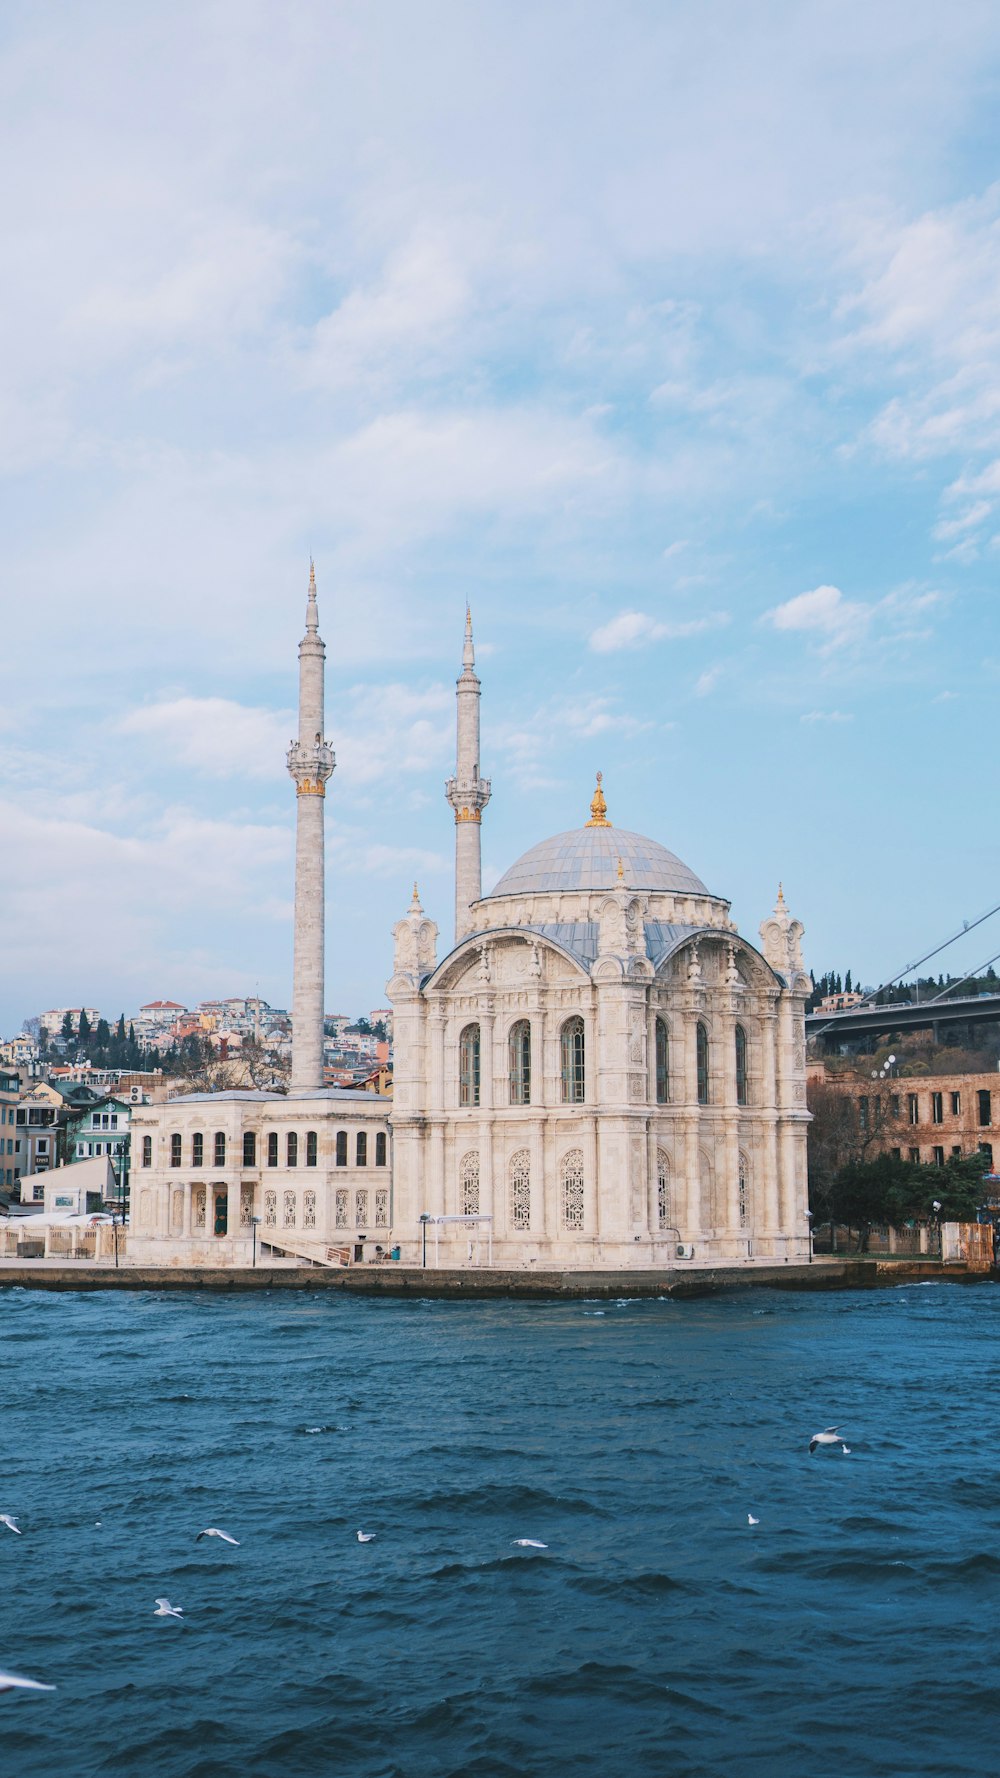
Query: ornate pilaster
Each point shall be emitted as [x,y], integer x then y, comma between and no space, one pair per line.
[310,764]
[467,792]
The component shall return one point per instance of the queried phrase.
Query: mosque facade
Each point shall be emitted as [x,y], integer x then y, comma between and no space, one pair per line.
[600,1073]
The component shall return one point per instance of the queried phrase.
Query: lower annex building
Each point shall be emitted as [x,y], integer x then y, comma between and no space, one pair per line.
[600,1073]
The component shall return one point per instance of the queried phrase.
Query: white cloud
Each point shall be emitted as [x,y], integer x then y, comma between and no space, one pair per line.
[216,736]
[825,611]
[630,629]
[707,681]
[826,716]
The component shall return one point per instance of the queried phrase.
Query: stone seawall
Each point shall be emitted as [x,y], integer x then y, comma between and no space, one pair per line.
[461,1285]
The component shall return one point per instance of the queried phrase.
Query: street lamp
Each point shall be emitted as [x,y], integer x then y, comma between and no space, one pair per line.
[936,1207]
[424,1220]
[254,1220]
[809,1222]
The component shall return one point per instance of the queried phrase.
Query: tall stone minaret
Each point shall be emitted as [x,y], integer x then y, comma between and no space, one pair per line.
[467,792]
[310,762]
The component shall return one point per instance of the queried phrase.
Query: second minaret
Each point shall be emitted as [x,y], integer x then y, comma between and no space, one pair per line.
[310,763]
[467,792]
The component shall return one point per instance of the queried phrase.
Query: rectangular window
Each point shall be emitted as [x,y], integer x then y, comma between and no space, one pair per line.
[957,1152]
[312,1148]
[220,1148]
[114,1120]
[291,1149]
[862,1114]
[956,1104]
[249,1148]
[198,1149]
[913,1108]
[362,1148]
[342,1150]
[380,1146]
[985,1111]
[175,1149]
[986,1149]
[272,1148]
[147,1151]
[939,1157]
[894,1105]
[914,1154]
[897,1154]
[937,1108]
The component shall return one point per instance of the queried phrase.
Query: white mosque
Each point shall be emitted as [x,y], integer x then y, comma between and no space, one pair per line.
[600,1074]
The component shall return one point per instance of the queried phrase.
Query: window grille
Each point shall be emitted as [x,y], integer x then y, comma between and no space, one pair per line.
[520,1189]
[662,1063]
[468,1066]
[382,1207]
[220,1148]
[571,1048]
[741,1065]
[744,1192]
[309,1210]
[470,1184]
[198,1208]
[246,1206]
[662,1189]
[340,1209]
[571,1181]
[288,1213]
[312,1148]
[291,1149]
[271,1209]
[701,1043]
[519,1062]
[361,1209]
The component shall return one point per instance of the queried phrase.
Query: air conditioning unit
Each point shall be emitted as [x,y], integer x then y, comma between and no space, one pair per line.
[684,1250]
[135,1095]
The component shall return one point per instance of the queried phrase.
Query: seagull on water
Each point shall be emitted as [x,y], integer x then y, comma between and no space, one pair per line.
[11,1682]
[846,1450]
[528,1543]
[830,1437]
[165,1609]
[751,1520]
[11,1523]
[213,1531]
[367,1536]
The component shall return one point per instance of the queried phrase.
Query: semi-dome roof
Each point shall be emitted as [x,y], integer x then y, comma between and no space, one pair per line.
[587,858]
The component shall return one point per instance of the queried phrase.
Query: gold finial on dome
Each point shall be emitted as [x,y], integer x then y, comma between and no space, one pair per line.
[415,907]
[781,895]
[598,807]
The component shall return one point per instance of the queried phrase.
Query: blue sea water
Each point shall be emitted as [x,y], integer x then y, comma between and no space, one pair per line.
[854,1629]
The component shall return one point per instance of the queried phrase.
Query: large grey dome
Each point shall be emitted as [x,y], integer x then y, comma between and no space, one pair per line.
[587,858]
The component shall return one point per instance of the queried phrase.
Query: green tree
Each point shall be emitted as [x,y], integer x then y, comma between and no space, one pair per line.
[66,1030]
[83,1029]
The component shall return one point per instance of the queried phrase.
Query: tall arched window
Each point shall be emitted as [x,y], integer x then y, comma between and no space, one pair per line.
[272,1148]
[361,1149]
[249,1148]
[468,1066]
[571,1051]
[312,1148]
[220,1148]
[663,1189]
[342,1148]
[380,1148]
[519,1062]
[175,1150]
[702,1059]
[571,1189]
[519,1173]
[470,1184]
[744,1192]
[147,1151]
[662,1063]
[741,1065]
[291,1149]
[198,1149]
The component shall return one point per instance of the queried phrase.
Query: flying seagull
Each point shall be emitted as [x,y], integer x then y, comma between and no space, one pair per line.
[830,1437]
[213,1531]
[11,1523]
[528,1543]
[751,1520]
[10,1682]
[367,1536]
[165,1609]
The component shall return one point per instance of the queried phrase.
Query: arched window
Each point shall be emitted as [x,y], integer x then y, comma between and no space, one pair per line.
[663,1189]
[361,1149]
[662,1063]
[519,1062]
[249,1148]
[744,1192]
[288,1217]
[519,1174]
[470,1184]
[702,1058]
[147,1151]
[342,1149]
[309,1210]
[741,1065]
[198,1149]
[291,1149]
[175,1150]
[270,1209]
[220,1148]
[361,1209]
[468,1066]
[571,1189]
[312,1148]
[571,1052]
[272,1148]
[380,1146]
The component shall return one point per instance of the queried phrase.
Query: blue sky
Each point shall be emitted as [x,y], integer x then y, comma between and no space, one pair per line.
[668,336]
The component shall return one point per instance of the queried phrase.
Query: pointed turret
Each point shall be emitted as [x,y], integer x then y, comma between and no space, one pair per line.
[467,792]
[310,763]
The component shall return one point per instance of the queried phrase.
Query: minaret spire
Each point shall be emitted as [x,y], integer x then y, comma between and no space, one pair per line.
[310,763]
[467,792]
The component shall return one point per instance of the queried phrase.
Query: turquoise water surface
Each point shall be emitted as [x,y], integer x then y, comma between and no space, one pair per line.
[855,1628]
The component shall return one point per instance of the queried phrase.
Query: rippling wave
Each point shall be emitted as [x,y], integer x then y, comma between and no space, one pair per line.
[658,1635]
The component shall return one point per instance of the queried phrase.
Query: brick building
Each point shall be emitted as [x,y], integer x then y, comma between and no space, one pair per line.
[925,1117]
